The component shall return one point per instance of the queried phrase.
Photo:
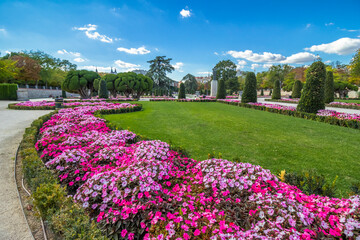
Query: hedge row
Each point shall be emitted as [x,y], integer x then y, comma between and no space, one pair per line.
[8,91]
[279,100]
[67,219]
[14,106]
[331,120]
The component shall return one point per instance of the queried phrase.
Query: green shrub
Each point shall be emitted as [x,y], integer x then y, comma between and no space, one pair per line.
[103,92]
[277,90]
[250,93]
[312,97]
[262,92]
[73,224]
[329,87]
[310,182]
[48,198]
[63,94]
[8,91]
[221,91]
[296,91]
[182,91]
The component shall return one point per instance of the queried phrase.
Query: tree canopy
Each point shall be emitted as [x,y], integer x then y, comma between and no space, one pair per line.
[226,70]
[191,85]
[159,67]
[133,84]
[80,81]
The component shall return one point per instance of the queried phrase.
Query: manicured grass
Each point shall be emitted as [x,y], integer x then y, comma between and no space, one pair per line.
[347,101]
[273,141]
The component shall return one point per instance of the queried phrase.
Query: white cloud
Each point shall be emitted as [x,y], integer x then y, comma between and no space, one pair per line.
[254,65]
[178,66]
[308,26]
[349,30]
[342,46]
[93,68]
[255,57]
[90,33]
[241,64]
[141,50]
[329,24]
[3,30]
[185,13]
[301,57]
[327,62]
[79,60]
[156,49]
[216,53]
[63,52]
[204,73]
[267,65]
[126,66]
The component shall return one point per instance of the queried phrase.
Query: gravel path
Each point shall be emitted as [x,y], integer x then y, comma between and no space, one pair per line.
[13,225]
[344,110]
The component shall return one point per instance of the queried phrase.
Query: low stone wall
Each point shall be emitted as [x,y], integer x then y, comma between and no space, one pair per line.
[25,94]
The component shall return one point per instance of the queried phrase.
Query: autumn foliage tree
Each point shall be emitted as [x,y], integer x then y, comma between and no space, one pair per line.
[29,69]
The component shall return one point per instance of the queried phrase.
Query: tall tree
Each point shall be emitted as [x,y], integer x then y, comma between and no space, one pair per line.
[191,85]
[355,68]
[80,81]
[226,70]
[329,87]
[29,69]
[312,97]
[250,93]
[279,72]
[159,67]
[8,70]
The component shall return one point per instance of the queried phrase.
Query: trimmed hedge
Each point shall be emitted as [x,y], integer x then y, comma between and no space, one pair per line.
[277,91]
[67,219]
[331,120]
[296,91]
[8,91]
[221,92]
[250,93]
[182,94]
[329,87]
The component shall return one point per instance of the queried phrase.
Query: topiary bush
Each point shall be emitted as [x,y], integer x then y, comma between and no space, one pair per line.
[296,92]
[103,92]
[221,92]
[329,87]
[250,93]
[262,92]
[312,97]
[182,91]
[8,91]
[277,90]
[63,94]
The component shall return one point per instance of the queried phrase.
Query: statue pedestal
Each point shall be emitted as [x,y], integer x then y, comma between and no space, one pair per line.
[214,87]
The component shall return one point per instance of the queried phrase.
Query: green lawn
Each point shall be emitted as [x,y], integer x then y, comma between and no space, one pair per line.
[347,101]
[270,140]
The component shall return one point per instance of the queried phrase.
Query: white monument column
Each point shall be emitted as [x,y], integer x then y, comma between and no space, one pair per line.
[214,84]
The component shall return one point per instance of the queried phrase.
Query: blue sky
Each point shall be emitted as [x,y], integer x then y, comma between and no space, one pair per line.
[195,34]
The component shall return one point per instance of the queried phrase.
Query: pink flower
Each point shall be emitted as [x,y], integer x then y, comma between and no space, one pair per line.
[197,232]
[123,233]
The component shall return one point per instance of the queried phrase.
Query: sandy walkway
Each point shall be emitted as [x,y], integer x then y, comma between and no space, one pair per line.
[13,225]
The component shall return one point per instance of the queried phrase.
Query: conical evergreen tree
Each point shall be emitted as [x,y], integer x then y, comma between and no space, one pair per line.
[221,92]
[312,97]
[103,92]
[250,93]
[277,91]
[182,91]
[329,87]
[296,92]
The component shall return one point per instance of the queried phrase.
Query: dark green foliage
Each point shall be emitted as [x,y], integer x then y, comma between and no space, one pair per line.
[277,91]
[182,91]
[133,84]
[48,199]
[221,91]
[8,91]
[191,85]
[296,92]
[80,81]
[250,93]
[103,92]
[63,94]
[312,96]
[110,83]
[311,182]
[262,92]
[270,93]
[329,87]
[355,188]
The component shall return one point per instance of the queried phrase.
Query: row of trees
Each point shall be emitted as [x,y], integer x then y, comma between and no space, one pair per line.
[86,83]
[33,68]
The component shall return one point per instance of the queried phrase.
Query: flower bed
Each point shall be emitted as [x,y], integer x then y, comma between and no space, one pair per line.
[344,105]
[146,190]
[285,100]
[232,97]
[229,100]
[183,100]
[340,119]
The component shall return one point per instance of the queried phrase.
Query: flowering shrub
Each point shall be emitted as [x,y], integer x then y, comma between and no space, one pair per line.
[229,100]
[36,104]
[339,115]
[146,190]
[344,105]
